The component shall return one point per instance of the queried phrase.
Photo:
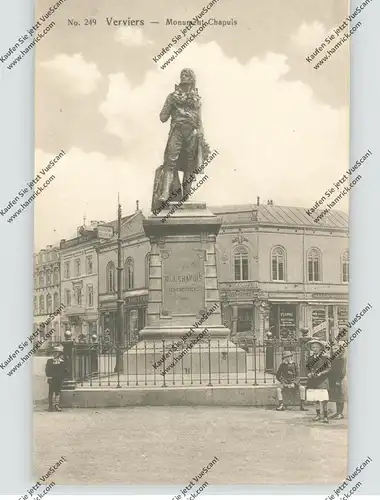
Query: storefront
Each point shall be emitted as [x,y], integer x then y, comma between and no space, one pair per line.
[134,317]
[135,313]
[327,314]
[283,321]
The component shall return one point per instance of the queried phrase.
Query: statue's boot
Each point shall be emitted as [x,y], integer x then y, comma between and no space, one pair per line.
[167,182]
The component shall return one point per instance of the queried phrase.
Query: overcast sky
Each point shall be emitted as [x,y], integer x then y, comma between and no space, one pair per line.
[280,126]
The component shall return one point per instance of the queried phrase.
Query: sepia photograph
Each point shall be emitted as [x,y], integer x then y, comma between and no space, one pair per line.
[191,242]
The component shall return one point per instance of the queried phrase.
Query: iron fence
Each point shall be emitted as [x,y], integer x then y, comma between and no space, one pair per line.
[165,363]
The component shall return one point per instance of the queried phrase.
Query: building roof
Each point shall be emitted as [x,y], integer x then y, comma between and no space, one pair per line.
[286,216]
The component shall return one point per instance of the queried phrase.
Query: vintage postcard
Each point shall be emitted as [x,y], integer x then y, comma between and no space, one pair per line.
[191,256]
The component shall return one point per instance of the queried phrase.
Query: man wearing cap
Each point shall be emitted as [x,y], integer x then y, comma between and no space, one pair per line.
[288,376]
[55,373]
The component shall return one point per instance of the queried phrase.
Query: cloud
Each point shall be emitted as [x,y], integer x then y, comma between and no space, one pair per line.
[84,184]
[80,76]
[275,140]
[309,36]
[132,37]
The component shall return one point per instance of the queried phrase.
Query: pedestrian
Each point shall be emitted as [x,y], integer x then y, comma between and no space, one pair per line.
[288,376]
[55,373]
[318,366]
[336,379]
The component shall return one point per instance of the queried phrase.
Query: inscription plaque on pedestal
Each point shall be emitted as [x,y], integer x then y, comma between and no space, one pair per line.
[183,280]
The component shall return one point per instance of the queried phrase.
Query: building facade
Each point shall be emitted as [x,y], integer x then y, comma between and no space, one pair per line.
[280,272]
[47,296]
[79,282]
[135,263]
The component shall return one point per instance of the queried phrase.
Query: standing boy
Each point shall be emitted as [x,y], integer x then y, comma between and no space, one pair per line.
[55,373]
[288,376]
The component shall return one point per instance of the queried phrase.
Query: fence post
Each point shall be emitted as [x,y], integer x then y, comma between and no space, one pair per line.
[68,352]
[303,353]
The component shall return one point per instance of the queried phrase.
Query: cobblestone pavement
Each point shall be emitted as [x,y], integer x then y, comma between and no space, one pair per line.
[162,445]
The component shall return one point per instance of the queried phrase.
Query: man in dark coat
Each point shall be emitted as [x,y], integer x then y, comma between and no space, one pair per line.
[318,366]
[336,376]
[288,376]
[55,370]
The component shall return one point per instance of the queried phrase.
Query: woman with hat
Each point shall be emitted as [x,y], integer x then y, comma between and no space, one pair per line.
[318,366]
[288,376]
[55,373]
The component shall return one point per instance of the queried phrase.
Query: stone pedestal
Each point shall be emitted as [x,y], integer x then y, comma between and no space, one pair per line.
[183,291]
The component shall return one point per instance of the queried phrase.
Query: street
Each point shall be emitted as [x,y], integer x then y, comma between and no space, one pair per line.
[169,445]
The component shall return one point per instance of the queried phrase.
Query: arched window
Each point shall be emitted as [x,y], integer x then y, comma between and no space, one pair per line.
[56,300]
[129,273]
[48,277]
[49,303]
[56,276]
[241,264]
[35,306]
[110,276]
[42,304]
[345,267]
[147,267]
[41,276]
[314,265]
[278,264]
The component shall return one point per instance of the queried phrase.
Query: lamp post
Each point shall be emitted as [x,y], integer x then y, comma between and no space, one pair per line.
[119,302]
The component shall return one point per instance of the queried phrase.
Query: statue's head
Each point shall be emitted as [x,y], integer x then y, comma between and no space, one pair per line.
[187,77]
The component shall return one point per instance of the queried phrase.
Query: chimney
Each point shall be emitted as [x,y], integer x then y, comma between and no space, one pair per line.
[258,201]
[137,205]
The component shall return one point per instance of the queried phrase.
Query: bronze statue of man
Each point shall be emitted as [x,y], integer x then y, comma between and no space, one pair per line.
[186,148]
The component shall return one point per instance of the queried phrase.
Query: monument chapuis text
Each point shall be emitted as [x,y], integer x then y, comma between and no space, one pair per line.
[183,281]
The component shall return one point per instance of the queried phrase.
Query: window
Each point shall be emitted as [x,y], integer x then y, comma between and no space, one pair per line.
[56,276]
[42,280]
[42,304]
[89,264]
[110,276]
[314,265]
[278,264]
[48,277]
[129,274]
[90,296]
[345,267]
[67,298]
[67,269]
[77,267]
[78,296]
[35,306]
[147,264]
[35,280]
[49,303]
[241,264]
[56,300]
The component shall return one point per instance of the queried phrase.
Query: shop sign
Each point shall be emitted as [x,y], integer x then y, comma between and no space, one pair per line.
[330,296]
[135,300]
[319,323]
[288,321]
[105,232]
[342,316]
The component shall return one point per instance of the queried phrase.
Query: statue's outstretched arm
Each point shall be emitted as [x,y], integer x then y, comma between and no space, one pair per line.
[167,109]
